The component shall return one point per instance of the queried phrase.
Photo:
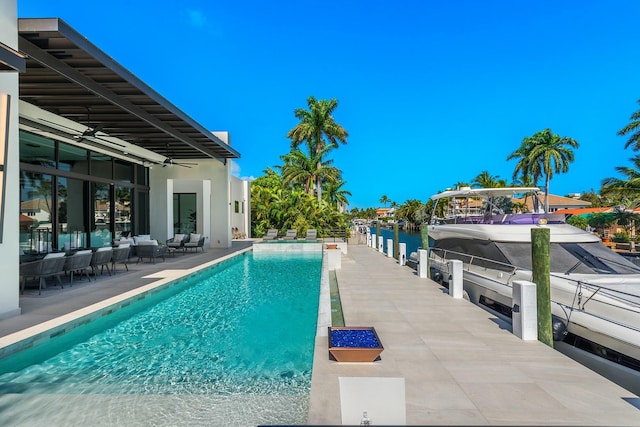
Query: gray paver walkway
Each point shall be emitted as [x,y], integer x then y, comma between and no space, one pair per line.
[461,365]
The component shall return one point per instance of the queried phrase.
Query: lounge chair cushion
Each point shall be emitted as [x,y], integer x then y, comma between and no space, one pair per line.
[178,238]
[54,255]
[84,252]
[104,248]
[194,238]
[141,238]
[153,242]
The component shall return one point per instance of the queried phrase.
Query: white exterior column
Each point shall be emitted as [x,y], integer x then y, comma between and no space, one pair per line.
[9,248]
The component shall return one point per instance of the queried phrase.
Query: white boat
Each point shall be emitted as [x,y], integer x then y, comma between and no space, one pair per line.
[595,292]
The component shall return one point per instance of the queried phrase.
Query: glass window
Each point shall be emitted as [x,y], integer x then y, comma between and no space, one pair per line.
[142,213]
[101,165]
[123,210]
[37,150]
[101,218]
[72,159]
[71,217]
[142,175]
[184,213]
[36,200]
[123,171]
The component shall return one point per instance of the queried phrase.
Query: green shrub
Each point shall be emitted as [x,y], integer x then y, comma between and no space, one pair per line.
[620,237]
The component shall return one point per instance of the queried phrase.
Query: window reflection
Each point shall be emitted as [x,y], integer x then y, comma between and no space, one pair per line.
[37,150]
[100,230]
[123,211]
[35,212]
[101,165]
[71,208]
[72,159]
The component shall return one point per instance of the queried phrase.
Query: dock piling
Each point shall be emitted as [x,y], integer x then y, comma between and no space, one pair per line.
[540,262]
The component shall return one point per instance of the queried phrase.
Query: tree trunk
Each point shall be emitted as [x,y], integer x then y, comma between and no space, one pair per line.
[546,194]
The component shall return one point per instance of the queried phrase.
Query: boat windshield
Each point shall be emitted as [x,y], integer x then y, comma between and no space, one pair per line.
[584,258]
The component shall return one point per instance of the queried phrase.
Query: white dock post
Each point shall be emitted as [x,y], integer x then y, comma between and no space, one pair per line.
[456,281]
[525,310]
[402,257]
[423,263]
[368,239]
[381,244]
[373,240]
[390,248]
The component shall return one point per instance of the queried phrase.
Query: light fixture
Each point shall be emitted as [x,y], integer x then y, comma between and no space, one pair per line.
[5,104]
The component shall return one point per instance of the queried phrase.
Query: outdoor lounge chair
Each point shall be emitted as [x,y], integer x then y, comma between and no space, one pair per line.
[195,241]
[178,241]
[120,255]
[101,259]
[50,266]
[272,234]
[80,262]
[311,235]
[291,235]
[151,251]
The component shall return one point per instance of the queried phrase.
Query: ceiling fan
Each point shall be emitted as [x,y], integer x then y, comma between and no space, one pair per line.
[168,161]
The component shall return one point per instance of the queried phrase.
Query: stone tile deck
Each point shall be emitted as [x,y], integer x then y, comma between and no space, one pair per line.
[460,364]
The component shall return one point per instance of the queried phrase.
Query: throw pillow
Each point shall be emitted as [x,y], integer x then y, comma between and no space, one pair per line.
[193,238]
[178,238]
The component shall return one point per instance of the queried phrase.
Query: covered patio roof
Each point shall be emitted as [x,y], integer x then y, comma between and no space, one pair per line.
[69,76]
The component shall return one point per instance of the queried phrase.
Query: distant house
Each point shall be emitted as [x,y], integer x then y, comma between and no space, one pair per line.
[555,202]
[385,212]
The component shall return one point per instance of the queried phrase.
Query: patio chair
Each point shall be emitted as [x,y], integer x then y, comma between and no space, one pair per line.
[50,266]
[150,250]
[272,234]
[291,235]
[101,259]
[80,262]
[178,241]
[120,255]
[195,241]
[311,235]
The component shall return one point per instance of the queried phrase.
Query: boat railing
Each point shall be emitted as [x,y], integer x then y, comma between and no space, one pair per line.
[473,260]
[593,289]
[585,292]
[494,218]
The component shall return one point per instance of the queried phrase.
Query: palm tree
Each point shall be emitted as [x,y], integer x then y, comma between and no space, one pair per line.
[632,128]
[544,153]
[335,194]
[522,172]
[486,180]
[319,130]
[384,200]
[630,185]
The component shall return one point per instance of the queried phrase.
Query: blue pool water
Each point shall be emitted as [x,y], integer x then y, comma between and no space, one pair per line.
[242,329]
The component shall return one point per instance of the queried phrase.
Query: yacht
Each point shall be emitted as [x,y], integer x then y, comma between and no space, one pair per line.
[595,292]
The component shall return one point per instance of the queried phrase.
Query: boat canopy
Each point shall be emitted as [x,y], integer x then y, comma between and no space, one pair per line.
[485,192]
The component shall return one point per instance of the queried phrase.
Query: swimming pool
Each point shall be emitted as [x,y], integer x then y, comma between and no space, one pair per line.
[229,346]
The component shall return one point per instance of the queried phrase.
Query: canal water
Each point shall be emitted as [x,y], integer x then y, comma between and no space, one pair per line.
[412,239]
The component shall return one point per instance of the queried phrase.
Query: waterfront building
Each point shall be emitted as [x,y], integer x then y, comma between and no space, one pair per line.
[94,154]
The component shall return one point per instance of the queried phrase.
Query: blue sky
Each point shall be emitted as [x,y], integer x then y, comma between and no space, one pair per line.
[431,92]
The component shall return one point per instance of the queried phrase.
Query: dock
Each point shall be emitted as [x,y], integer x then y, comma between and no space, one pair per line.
[447,361]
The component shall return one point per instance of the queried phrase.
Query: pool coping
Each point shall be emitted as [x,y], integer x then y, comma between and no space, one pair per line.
[28,337]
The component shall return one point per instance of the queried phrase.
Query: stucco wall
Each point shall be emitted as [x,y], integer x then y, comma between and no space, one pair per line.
[9,255]
[209,179]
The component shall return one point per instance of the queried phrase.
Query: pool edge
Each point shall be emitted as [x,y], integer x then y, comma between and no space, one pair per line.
[30,336]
